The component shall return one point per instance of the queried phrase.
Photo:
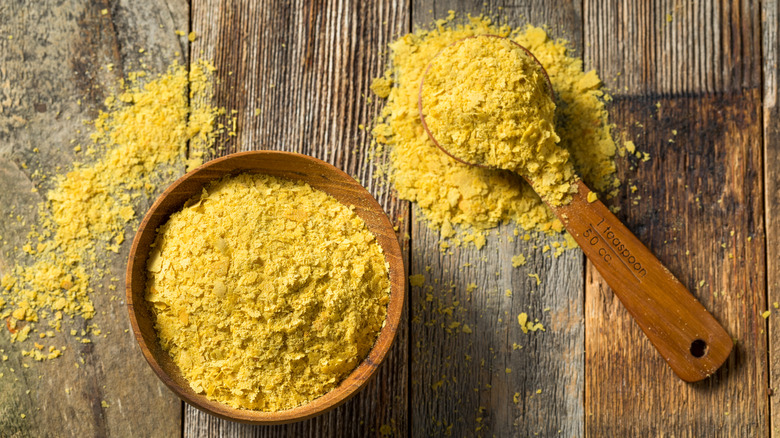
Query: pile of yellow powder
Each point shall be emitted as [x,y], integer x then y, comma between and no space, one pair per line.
[450,193]
[266,293]
[486,101]
[139,142]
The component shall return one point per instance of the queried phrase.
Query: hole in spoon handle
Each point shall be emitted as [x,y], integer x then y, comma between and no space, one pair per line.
[688,337]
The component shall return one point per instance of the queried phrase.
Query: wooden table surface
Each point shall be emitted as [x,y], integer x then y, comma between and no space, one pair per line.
[709,208]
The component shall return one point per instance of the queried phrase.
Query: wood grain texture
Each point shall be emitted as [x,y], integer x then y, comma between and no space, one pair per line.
[298,75]
[686,80]
[52,79]
[307,66]
[460,383]
[771,122]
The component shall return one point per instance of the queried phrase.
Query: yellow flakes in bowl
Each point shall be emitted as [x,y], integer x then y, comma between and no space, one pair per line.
[266,292]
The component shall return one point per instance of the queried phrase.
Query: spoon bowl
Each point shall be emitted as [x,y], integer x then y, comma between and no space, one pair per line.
[319,175]
[428,68]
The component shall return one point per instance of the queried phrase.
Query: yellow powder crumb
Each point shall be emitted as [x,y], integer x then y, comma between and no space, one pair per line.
[766,314]
[516,398]
[180,32]
[487,102]
[518,260]
[385,430]
[508,292]
[456,194]
[104,404]
[536,277]
[382,86]
[417,280]
[538,391]
[776,305]
[192,36]
[527,325]
[508,370]
[630,146]
[104,12]
[140,141]
[466,328]
[522,319]
[592,197]
[266,292]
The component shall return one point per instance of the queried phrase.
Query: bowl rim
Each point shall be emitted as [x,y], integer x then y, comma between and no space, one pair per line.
[353,382]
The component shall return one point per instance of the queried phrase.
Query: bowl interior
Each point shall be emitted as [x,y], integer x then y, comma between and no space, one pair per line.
[317,174]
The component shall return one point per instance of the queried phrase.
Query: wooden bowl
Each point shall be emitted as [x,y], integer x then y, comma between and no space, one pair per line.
[317,174]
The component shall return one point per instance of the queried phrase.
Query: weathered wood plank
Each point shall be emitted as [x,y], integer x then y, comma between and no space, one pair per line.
[52,79]
[686,78]
[460,383]
[298,75]
[771,47]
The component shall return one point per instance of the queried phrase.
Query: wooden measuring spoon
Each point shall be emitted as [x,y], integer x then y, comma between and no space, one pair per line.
[688,337]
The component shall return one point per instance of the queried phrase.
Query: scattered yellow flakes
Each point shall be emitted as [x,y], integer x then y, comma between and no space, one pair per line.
[137,143]
[508,292]
[669,18]
[385,430]
[536,276]
[466,328]
[285,285]
[592,197]
[516,398]
[104,404]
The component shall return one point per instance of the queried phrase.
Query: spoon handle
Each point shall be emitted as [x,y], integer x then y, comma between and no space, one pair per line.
[688,337]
